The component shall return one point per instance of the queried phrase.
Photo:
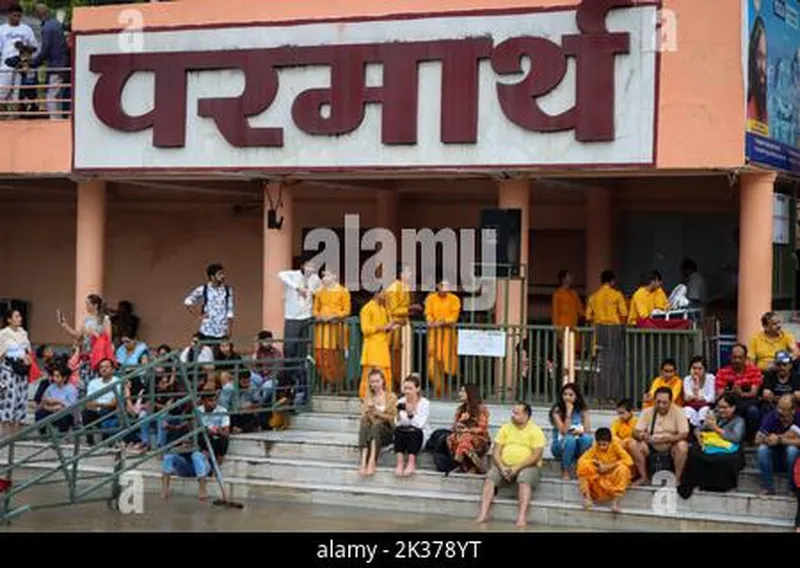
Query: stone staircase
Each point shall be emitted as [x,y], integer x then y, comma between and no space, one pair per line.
[316,462]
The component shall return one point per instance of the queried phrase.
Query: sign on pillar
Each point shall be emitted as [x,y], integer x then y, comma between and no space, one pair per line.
[131,498]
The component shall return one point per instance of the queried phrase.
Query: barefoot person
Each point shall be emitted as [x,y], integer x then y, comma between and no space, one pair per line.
[411,426]
[378,413]
[604,471]
[516,459]
[662,428]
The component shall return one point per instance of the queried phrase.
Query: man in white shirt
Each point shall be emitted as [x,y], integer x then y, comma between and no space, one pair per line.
[103,405]
[12,33]
[299,289]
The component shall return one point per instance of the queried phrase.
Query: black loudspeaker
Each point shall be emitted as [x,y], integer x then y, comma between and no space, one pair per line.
[508,226]
[9,304]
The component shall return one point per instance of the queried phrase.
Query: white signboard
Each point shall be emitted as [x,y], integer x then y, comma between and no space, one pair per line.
[434,92]
[482,343]
[781,219]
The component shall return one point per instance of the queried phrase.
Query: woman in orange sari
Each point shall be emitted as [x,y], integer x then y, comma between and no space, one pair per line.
[469,440]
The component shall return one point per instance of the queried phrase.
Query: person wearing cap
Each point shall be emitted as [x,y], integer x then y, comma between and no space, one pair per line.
[779,380]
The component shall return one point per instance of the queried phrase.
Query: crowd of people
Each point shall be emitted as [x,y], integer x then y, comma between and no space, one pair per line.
[697,426]
[22,58]
[696,432]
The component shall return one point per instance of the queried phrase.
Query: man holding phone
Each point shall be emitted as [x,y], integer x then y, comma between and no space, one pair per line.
[743,380]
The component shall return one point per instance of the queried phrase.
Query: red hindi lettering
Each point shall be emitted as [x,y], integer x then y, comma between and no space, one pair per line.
[167,118]
[595,49]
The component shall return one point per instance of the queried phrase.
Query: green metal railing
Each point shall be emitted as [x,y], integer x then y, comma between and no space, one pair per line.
[531,366]
[52,452]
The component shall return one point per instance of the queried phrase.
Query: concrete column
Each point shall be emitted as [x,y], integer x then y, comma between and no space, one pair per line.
[90,245]
[277,255]
[599,236]
[512,294]
[755,251]
[515,194]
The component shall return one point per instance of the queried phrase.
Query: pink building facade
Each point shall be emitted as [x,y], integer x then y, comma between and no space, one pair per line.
[616,128]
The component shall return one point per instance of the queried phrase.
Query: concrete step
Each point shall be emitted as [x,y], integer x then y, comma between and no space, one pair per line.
[542,511]
[552,488]
[249,449]
[443,411]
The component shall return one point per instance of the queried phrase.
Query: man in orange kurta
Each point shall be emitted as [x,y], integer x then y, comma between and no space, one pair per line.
[331,307]
[442,309]
[567,305]
[604,471]
[398,302]
[376,329]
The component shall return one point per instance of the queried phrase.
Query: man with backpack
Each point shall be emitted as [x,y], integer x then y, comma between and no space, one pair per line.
[212,303]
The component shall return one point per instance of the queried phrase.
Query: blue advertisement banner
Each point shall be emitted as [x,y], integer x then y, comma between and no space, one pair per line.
[772,79]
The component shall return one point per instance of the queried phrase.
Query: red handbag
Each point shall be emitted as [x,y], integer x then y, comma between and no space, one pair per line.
[34,373]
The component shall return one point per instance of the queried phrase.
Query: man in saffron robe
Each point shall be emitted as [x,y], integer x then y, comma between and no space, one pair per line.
[647,299]
[376,329]
[398,302]
[331,307]
[604,471]
[442,309]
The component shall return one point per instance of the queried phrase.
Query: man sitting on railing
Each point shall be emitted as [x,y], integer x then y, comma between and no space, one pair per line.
[218,423]
[105,404]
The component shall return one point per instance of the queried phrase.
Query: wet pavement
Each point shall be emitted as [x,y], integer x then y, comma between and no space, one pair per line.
[186,514]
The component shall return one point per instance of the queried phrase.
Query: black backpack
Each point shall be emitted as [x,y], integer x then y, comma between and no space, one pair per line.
[442,458]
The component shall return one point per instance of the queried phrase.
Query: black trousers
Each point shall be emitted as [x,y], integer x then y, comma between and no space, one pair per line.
[250,421]
[407,440]
[219,444]
[63,424]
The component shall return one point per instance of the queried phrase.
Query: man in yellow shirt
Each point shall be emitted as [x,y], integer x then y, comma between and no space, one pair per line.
[331,307]
[376,328]
[442,309]
[668,378]
[516,458]
[647,299]
[607,311]
[772,339]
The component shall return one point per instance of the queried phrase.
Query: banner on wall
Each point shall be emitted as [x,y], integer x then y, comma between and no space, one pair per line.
[772,83]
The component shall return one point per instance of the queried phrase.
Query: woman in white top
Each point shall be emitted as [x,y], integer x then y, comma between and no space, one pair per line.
[698,392]
[15,362]
[378,414]
[411,426]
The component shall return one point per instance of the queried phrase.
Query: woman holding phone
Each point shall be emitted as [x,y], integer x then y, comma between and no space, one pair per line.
[571,428]
[95,334]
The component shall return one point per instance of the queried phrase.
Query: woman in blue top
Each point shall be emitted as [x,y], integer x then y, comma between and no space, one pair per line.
[571,428]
